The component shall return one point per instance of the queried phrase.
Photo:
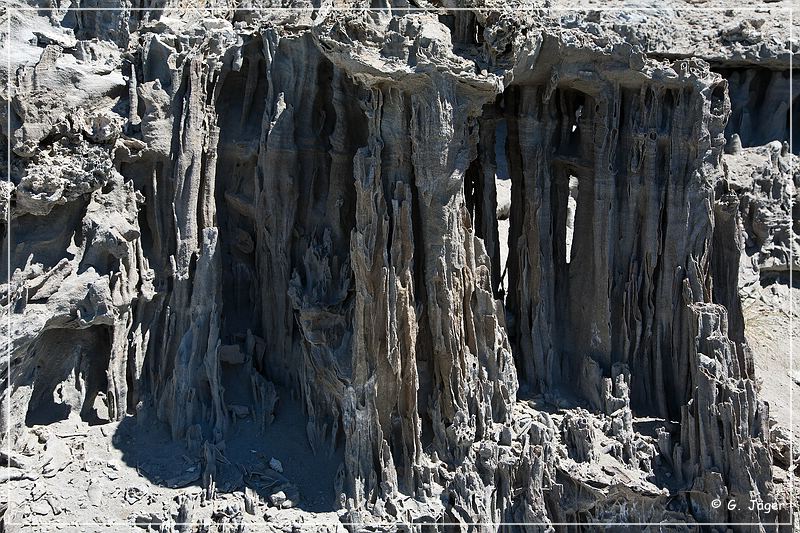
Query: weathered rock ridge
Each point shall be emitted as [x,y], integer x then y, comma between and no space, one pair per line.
[264,226]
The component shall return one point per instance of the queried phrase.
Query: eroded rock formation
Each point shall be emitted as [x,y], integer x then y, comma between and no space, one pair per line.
[280,229]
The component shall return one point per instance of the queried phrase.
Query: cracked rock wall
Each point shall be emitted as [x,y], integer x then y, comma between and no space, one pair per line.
[229,209]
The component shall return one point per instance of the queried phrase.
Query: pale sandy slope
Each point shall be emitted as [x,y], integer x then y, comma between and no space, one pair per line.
[773,333]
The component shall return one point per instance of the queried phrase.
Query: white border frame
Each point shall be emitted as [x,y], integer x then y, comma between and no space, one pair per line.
[500,8]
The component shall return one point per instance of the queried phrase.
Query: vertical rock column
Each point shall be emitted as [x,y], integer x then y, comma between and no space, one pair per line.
[186,383]
[723,451]
[474,377]
[382,401]
[648,281]
[644,173]
[431,364]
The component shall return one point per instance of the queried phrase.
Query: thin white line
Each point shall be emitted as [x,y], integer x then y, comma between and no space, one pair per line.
[7,395]
[791,285]
[422,9]
[11,10]
[323,522]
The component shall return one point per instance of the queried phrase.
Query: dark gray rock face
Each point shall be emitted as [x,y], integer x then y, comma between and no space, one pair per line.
[256,226]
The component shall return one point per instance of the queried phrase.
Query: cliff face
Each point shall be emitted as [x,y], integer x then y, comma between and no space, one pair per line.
[280,229]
